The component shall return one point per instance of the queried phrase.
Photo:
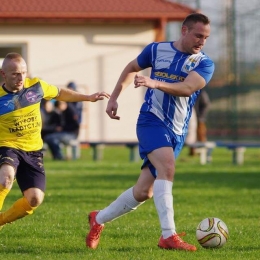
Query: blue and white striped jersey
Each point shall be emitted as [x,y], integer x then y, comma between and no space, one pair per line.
[170,65]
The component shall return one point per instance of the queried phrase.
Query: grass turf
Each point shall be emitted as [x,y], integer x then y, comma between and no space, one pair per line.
[57,229]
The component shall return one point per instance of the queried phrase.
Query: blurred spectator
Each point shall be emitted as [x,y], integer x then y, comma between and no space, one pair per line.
[78,105]
[197,131]
[192,131]
[67,128]
[202,107]
[49,118]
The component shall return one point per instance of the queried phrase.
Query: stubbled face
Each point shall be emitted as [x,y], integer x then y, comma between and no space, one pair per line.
[194,39]
[14,73]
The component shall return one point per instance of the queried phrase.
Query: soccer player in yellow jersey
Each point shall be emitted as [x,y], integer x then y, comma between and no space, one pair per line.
[20,138]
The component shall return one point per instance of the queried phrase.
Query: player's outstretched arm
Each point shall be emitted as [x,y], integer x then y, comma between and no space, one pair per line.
[73,96]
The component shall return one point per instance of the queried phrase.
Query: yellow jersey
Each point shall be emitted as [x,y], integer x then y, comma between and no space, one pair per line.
[20,114]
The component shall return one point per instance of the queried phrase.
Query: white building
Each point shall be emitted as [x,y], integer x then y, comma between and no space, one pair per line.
[88,42]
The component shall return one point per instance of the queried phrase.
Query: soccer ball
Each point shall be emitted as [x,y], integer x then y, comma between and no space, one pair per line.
[212,233]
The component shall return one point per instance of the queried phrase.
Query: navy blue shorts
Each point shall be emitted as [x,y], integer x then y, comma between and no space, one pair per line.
[152,134]
[28,166]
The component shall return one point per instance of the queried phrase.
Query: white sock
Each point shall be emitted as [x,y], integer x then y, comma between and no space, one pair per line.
[163,200]
[122,205]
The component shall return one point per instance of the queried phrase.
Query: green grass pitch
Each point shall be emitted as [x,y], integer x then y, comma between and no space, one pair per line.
[58,228]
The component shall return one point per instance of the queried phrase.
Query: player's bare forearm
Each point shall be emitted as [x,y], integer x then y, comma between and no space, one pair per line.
[191,84]
[126,78]
[124,81]
[73,96]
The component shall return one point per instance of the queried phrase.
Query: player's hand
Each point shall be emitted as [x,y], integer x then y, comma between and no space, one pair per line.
[98,96]
[145,81]
[112,109]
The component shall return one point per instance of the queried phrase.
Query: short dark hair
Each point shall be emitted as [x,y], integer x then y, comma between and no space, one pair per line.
[195,18]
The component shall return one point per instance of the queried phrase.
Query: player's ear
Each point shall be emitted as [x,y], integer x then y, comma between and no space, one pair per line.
[2,73]
[184,29]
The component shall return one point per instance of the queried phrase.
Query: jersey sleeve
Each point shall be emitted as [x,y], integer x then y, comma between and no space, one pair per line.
[205,69]
[49,91]
[144,59]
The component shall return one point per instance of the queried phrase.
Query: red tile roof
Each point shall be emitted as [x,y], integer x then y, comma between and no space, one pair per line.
[92,9]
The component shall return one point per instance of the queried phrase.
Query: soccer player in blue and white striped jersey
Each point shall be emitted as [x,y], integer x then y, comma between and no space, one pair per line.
[179,70]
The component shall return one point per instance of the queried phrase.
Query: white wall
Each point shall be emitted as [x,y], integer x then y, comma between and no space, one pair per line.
[91,55]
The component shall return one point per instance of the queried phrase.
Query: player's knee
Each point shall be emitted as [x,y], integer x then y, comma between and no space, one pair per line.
[7,175]
[35,201]
[167,172]
[34,197]
[7,182]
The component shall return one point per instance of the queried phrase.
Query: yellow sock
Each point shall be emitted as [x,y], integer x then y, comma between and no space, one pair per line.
[19,209]
[3,194]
